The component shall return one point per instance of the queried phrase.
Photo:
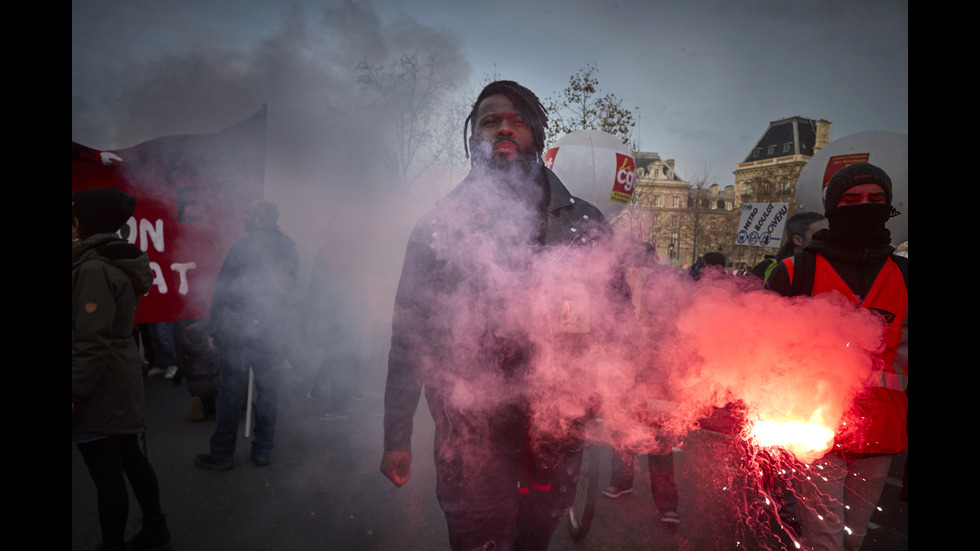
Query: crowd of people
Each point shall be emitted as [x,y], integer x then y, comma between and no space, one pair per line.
[481,267]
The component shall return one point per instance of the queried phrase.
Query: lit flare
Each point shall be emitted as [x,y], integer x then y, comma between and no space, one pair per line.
[807,440]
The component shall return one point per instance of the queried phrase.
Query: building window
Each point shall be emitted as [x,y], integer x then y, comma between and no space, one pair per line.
[677,202]
[755,153]
[787,147]
[772,149]
[656,200]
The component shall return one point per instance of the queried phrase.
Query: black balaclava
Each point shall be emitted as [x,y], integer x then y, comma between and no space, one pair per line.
[858,226]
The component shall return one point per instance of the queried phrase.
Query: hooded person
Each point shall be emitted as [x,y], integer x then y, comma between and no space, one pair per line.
[465,330]
[855,258]
[248,329]
[108,276]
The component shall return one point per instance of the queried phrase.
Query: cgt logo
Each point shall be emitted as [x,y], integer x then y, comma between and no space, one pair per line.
[622,189]
[625,174]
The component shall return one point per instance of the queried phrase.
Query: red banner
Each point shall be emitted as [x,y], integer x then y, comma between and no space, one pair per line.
[191,195]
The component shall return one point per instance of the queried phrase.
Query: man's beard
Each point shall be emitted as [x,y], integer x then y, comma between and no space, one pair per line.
[483,158]
[518,179]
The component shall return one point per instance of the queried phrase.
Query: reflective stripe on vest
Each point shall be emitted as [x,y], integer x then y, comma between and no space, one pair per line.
[891,381]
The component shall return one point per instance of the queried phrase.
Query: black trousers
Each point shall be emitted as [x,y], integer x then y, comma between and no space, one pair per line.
[111,461]
[483,481]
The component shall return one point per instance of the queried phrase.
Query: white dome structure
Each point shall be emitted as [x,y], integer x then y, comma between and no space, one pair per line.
[886,150]
[595,166]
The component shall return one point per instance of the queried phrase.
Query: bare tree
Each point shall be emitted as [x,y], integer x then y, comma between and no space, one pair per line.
[583,106]
[412,92]
[707,224]
[694,220]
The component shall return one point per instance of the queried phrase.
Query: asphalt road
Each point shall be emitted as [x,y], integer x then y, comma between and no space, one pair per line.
[323,490]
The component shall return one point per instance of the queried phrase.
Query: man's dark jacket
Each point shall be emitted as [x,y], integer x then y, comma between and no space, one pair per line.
[446,257]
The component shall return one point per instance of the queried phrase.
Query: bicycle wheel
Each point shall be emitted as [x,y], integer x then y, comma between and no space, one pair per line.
[586,493]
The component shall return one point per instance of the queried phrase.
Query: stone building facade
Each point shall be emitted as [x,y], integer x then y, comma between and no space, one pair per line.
[682,220]
[772,168]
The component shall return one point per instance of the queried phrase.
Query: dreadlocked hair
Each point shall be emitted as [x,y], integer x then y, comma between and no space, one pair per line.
[526,102]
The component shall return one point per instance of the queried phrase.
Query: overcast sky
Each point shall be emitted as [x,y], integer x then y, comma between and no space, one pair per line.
[706,76]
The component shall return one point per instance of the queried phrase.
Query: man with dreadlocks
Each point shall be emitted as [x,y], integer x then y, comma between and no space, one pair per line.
[462,331]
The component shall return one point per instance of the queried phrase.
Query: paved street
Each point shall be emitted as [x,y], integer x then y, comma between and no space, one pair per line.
[323,490]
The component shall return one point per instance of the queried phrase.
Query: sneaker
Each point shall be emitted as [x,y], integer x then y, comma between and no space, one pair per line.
[261,460]
[614,491]
[205,461]
[332,416]
[154,372]
[170,373]
[670,517]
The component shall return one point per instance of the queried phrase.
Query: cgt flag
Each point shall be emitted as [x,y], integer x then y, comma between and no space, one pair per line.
[192,192]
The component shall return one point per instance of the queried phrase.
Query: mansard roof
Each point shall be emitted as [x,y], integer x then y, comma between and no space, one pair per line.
[646,159]
[785,137]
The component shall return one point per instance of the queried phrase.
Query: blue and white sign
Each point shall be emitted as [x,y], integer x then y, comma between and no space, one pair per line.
[761,224]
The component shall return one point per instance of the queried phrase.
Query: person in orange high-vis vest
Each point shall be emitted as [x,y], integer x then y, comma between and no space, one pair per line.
[855,258]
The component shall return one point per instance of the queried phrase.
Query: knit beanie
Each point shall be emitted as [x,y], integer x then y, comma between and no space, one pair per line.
[714,259]
[102,210]
[855,175]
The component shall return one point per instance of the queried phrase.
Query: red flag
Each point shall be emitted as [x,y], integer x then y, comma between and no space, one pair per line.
[191,195]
